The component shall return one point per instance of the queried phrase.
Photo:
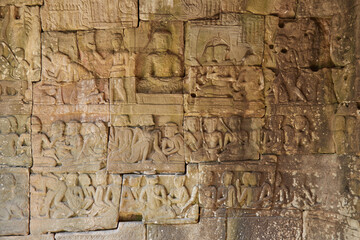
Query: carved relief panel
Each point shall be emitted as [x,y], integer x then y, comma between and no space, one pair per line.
[82,15]
[310,182]
[161,199]
[217,57]
[67,144]
[65,79]
[298,130]
[150,146]
[179,9]
[229,186]
[14,201]
[213,139]
[15,140]
[20,44]
[74,201]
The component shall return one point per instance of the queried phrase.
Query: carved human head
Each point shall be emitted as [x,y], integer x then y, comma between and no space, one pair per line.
[134,181]
[161,39]
[117,42]
[58,128]
[73,127]
[192,124]
[249,179]
[5,125]
[170,129]
[116,179]
[71,179]
[227,177]
[207,177]
[210,124]
[36,125]
[7,186]
[152,180]
[179,180]
[84,180]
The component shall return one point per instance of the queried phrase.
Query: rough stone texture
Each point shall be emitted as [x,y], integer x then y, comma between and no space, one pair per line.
[264,225]
[30,237]
[207,228]
[14,201]
[125,230]
[204,119]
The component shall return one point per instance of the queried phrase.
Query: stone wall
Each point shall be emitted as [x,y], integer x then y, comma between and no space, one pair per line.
[179,119]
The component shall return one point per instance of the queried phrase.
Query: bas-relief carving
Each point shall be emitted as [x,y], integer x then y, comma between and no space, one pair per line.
[20,43]
[230,186]
[215,56]
[179,9]
[229,44]
[294,44]
[345,134]
[14,201]
[68,146]
[74,201]
[313,182]
[210,139]
[281,8]
[15,140]
[161,199]
[146,148]
[159,63]
[82,15]
[65,80]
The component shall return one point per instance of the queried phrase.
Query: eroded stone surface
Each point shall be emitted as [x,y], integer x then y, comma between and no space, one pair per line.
[207,228]
[161,199]
[15,140]
[82,15]
[179,10]
[74,202]
[128,230]
[14,201]
[264,225]
[30,237]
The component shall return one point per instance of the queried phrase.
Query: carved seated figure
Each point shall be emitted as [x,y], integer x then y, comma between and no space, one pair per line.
[8,138]
[235,139]
[226,192]
[179,195]
[9,209]
[153,196]
[42,154]
[213,138]
[173,143]
[162,68]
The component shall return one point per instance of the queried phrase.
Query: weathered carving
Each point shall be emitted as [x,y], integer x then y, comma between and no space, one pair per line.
[221,139]
[68,146]
[160,69]
[294,44]
[14,201]
[179,9]
[74,202]
[236,186]
[20,43]
[146,148]
[15,143]
[82,15]
[239,43]
[161,199]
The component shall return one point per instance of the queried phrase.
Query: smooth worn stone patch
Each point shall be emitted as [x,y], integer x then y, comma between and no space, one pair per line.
[14,201]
